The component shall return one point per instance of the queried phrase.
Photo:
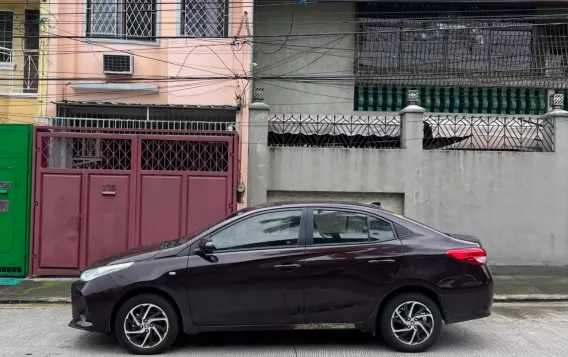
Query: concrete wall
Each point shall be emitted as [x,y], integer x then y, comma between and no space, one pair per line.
[305,56]
[389,201]
[17,110]
[516,203]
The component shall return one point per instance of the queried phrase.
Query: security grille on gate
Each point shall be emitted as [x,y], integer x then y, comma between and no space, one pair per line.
[90,153]
[182,155]
[87,153]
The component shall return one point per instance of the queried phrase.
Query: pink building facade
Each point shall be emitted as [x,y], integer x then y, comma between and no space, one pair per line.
[178,59]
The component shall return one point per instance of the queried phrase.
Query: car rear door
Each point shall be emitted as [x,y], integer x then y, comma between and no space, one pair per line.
[351,258]
[253,276]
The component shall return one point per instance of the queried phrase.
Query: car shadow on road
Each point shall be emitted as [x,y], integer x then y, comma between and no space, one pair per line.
[256,342]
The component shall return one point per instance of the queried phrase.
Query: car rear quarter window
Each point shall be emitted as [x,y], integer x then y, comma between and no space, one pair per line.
[336,227]
[402,231]
[264,231]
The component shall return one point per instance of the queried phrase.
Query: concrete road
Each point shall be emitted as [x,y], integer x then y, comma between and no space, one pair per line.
[515,329]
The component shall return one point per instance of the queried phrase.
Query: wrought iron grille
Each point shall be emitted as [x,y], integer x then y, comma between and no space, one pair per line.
[104,17]
[151,113]
[477,45]
[334,131]
[125,19]
[183,155]
[31,70]
[205,18]
[140,19]
[127,126]
[86,153]
[489,133]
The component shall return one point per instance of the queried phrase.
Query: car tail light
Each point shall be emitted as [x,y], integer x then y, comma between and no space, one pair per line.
[475,256]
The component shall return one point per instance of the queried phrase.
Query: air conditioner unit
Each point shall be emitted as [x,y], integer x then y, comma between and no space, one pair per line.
[118,64]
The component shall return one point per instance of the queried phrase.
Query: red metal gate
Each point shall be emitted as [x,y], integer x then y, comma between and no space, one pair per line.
[99,194]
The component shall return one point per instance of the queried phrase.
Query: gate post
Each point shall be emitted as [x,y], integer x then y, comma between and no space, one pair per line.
[412,135]
[258,156]
[559,118]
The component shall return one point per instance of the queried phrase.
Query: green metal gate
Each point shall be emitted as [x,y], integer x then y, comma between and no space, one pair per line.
[15,198]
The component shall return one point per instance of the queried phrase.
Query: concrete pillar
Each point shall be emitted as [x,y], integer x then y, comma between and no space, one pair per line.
[412,127]
[412,134]
[257,151]
[559,117]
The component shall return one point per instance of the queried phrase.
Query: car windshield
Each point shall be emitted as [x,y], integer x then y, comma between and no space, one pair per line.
[175,242]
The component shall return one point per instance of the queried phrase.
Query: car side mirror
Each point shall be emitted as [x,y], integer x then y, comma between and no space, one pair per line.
[205,247]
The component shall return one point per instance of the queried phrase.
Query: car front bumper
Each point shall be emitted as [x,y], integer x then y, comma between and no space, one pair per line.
[92,304]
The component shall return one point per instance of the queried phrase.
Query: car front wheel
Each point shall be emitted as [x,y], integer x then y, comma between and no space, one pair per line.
[410,322]
[146,324]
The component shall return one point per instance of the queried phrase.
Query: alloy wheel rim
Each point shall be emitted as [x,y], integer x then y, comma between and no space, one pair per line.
[146,325]
[412,323]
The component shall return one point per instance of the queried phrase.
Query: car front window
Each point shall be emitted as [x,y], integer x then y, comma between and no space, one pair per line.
[262,231]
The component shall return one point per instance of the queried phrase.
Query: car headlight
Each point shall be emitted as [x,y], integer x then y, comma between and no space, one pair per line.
[91,274]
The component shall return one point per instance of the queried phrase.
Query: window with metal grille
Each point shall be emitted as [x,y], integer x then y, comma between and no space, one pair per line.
[205,18]
[6,33]
[489,45]
[122,19]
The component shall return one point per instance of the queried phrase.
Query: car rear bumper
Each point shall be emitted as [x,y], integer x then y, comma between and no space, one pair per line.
[467,303]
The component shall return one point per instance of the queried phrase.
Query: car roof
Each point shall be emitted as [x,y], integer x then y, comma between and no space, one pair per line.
[337,204]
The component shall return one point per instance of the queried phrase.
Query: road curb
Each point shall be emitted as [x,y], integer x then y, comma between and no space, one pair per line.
[530,297]
[51,300]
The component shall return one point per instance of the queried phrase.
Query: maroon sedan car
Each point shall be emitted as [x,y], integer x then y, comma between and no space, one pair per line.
[290,266]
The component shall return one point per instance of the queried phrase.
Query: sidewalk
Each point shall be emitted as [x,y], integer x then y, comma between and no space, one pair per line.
[507,288]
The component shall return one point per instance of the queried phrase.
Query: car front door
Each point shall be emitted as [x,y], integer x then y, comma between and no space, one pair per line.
[351,258]
[253,275]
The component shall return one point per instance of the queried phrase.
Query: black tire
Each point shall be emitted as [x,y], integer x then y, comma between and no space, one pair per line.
[170,328]
[386,327]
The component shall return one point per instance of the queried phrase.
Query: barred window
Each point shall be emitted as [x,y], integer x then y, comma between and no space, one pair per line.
[461,44]
[205,18]
[6,33]
[122,19]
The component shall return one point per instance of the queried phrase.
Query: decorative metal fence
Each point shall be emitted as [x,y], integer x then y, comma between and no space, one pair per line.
[488,133]
[136,126]
[346,131]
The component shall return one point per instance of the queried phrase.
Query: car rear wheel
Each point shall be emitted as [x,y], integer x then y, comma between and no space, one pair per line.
[410,322]
[146,324]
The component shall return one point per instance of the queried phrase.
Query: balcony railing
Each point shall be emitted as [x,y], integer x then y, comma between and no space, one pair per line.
[18,71]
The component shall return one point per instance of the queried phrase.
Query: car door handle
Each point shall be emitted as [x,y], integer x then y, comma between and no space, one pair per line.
[381,261]
[287,266]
